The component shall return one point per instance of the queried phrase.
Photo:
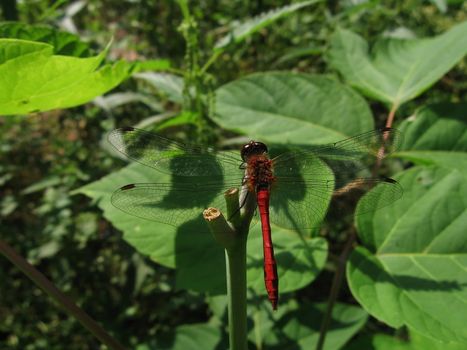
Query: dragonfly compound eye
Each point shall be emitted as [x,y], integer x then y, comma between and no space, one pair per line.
[253,148]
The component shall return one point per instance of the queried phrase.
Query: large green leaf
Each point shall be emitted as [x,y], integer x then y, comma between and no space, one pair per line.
[413,270]
[291,108]
[437,134]
[396,70]
[32,79]
[386,342]
[191,249]
[296,326]
[242,30]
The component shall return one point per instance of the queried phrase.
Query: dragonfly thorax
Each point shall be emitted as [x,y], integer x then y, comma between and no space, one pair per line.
[259,171]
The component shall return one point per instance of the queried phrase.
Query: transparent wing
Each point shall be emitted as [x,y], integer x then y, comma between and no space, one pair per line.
[174,158]
[169,204]
[303,204]
[377,143]
[304,186]
[346,158]
[301,192]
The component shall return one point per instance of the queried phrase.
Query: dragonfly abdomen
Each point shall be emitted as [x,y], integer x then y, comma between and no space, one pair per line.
[271,280]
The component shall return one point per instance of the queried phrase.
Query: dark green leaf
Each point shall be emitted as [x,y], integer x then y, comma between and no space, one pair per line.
[415,273]
[437,134]
[63,43]
[396,70]
[291,108]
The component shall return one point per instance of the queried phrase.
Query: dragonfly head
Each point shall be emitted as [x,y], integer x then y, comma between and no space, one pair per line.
[253,148]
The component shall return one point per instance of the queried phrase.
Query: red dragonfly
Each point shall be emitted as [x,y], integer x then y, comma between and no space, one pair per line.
[292,190]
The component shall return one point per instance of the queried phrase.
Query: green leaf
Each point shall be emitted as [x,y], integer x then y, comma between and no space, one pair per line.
[191,249]
[396,70]
[436,134]
[413,270]
[296,326]
[193,336]
[291,108]
[386,342]
[378,342]
[112,101]
[299,261]
[64,43]
[170,84]
[419,342]
[241,31]
[33,79]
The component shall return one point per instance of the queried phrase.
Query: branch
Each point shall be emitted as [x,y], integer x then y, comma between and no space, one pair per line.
[47,286]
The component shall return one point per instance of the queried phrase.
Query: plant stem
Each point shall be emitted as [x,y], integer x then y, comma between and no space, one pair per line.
[235,259]
[336,285]
[391,115]
[40,280]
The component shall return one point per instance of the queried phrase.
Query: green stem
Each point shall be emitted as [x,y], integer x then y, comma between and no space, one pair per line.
[236,292]
[40,280]
[211,60]
[232,236]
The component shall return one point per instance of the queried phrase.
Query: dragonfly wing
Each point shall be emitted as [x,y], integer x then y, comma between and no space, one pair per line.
[171,157]
[300,204]
[378,193]
[304,186]
[301,191]
[167,203]
[377,143]
[348,159]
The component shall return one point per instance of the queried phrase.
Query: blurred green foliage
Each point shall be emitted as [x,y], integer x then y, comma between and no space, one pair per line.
[44,157]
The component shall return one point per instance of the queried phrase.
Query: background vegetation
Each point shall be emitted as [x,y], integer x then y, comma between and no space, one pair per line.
[45,157]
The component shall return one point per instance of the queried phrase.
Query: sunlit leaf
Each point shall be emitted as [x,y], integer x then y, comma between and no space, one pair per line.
[32,79]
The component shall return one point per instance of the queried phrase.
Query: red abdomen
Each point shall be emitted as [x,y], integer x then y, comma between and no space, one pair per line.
[271,279]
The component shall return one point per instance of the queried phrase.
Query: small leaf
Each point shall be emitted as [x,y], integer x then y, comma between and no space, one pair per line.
[117,99]
[296,326]
[33,79]
[413,270]
[63,43]
[243,30]
[379,342]
[291,108]
[397,70]
[170,84]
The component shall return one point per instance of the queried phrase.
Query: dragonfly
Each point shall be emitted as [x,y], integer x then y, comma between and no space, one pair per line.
[292,190]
